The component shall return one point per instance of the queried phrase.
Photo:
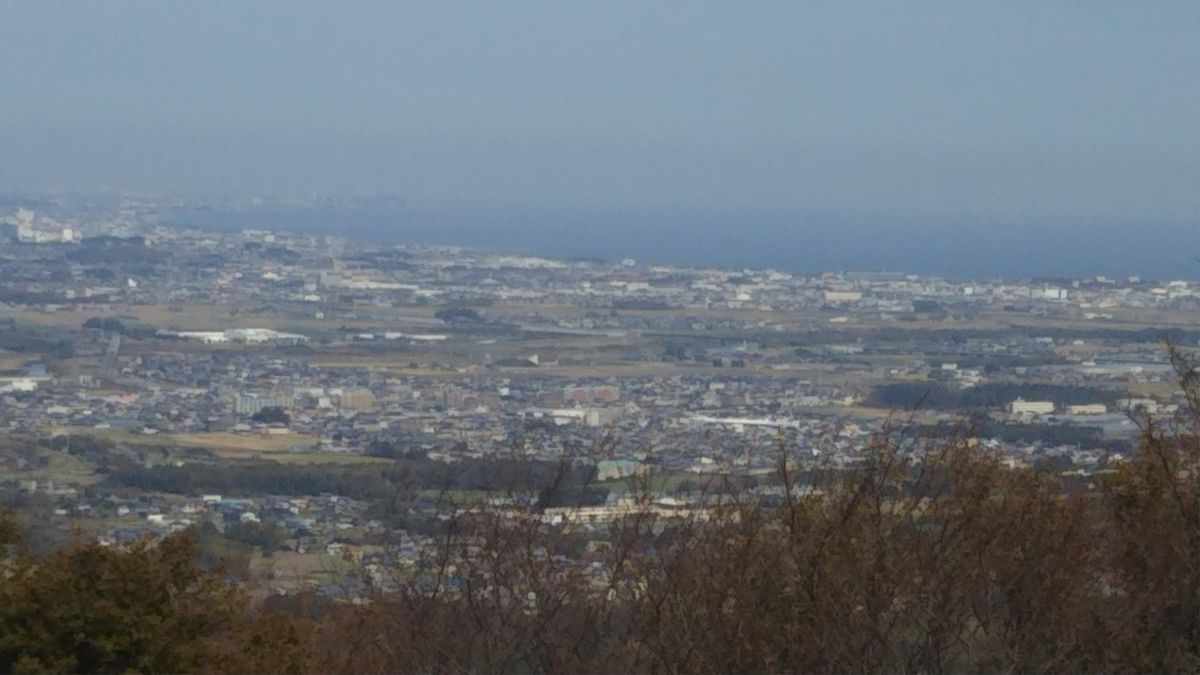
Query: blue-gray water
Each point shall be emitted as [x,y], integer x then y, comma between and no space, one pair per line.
[755,238]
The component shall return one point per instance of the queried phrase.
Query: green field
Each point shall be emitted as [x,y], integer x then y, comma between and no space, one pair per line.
[62,468]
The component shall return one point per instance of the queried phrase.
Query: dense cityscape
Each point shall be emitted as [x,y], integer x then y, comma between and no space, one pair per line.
[141,361]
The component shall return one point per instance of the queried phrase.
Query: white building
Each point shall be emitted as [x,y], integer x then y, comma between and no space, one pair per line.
[843,296]
[22,383]
[1023,407]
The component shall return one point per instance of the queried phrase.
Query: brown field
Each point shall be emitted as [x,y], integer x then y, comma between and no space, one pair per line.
[288,448]
[14,359]
[1159,389]
[234,446]
[291,570]
[233,441]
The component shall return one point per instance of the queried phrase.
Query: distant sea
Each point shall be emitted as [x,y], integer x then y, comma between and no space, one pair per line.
[735,238]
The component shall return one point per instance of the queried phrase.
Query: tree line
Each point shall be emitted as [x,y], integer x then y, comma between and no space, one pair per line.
[366,482]
[993,395]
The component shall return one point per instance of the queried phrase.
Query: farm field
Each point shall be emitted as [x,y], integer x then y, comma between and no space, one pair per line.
[285,448]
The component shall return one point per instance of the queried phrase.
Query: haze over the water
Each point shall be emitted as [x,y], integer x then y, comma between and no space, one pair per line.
[972,139]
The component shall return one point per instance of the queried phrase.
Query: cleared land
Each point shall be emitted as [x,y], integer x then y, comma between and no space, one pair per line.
[284,448]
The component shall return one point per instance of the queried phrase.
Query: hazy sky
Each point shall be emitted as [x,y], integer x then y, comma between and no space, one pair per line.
[995,109]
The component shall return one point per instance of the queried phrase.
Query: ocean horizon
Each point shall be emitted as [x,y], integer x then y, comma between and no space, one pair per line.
[752,238]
